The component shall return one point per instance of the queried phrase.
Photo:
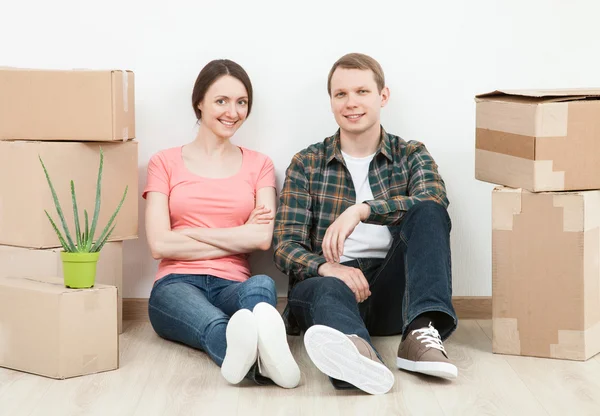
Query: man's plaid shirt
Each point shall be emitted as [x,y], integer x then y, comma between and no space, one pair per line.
[318,188]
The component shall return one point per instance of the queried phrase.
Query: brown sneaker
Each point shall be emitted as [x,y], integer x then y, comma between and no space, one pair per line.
[348,358]
[422,351]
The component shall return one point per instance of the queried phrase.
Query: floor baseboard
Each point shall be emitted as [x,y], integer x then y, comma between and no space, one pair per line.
[466,307]
[473,307]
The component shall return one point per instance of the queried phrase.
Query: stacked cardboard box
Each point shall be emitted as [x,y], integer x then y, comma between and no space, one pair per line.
[543,149]
[56,332]
[64,117]
[27,262]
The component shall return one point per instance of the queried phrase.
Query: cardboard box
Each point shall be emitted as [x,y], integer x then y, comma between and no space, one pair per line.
[81,105]
[542,140]
[53,331]
[25,192]
[546,273]
[26,262]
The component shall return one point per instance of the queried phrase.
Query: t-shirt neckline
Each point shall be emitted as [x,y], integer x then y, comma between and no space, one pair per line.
[206,178]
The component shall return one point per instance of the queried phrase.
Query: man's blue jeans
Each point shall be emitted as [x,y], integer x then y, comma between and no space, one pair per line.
[195,309]
[414,278]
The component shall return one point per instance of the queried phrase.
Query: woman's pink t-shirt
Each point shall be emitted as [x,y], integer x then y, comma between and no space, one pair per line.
[195,201]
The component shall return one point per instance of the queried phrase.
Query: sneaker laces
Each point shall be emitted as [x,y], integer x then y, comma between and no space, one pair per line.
[430,337]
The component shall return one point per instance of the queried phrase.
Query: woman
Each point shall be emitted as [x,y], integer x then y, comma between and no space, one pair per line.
[209,204]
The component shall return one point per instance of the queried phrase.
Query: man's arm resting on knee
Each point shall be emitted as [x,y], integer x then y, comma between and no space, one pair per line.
[351,276]
[424,184]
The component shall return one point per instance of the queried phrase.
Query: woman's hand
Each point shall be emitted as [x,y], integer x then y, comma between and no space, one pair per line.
[260,215]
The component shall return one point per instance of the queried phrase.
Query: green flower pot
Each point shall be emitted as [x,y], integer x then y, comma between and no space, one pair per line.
[79,269]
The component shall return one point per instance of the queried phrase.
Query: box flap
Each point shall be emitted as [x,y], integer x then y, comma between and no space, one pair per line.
[123,98]
[541,95]
[25,262]
[53,285]
[14,68]
[504,188]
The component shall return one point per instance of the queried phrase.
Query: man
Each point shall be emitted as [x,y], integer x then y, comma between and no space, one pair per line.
[363,233]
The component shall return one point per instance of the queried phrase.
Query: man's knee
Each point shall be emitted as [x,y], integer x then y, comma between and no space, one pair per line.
[431,210]
[333,285]
[431,207]
[320,288]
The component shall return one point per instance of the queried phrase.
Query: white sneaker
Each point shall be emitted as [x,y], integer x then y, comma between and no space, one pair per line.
[242,341]
[275,359]
[348,358]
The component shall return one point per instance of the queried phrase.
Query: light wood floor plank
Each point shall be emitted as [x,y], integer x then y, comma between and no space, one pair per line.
[113,392]
[412,395]
[564,387]
[486,326]
[20,392]
[159,377]
[542,375]
[187,382]
[486,383]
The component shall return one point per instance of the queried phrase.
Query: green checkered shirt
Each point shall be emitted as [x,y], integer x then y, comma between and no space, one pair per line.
[318,188]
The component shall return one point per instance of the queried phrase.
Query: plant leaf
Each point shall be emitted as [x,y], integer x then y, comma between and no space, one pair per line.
[112,218]
[86,233]
[58,208]
[106,238]
[60,237]
[97,207]
[76,216]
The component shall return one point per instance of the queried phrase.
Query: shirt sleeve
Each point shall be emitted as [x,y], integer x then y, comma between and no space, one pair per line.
[424,184]
[157,176]
[266,175]
[292,246]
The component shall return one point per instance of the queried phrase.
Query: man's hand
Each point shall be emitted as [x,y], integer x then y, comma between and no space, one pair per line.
[353,277]
[340,229]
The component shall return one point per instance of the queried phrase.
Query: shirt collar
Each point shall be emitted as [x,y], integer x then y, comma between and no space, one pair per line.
[333,147]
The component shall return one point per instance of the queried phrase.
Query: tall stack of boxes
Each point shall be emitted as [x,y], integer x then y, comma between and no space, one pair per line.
[64,117]
[543,149]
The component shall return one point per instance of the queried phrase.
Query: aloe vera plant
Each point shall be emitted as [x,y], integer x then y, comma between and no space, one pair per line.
[84,238]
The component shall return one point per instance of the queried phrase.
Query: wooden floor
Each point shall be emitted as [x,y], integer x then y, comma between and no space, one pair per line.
[158,377]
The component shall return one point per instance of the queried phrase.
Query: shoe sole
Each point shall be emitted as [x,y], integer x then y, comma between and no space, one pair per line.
[431,368]
[241,352]
[275,358]
[335,355]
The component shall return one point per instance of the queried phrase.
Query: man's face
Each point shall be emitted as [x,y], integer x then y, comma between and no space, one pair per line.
[355,100]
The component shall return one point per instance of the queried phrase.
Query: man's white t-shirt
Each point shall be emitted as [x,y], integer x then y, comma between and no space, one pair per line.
[367,240]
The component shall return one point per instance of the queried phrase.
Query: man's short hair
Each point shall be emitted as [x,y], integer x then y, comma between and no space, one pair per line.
[358,61]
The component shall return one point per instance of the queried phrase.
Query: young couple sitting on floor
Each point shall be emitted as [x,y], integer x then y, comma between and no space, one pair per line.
[361,229]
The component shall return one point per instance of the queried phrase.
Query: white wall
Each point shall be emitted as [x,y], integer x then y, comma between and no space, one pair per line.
[437,55]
